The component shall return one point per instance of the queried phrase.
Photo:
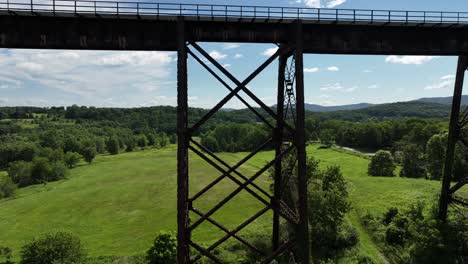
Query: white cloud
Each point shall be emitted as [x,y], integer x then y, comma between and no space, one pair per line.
[315,69]
[312,3]
[367,71]
[270,51]
[324,96]
[217,55]
[238,56]
[447,77]
[373,86]
[331,87]
[352,89]
[409,59]
[30,67]
[334,3]
[229,46]
[227,65]
[333,68]
[135,58]
[446,84]
[323,3]
[90,75]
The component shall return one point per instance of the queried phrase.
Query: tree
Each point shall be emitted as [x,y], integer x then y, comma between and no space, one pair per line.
[328,204]
[58,171]
[163,140]
[40,170]
[326,137]
[71,159]
[89,153]
[413,162]
[163,250]
[151,139]
[6,255]
[57,247]
[20,173]
[381,164]
[142,141]
[435,154]
[112,145]
[7,187]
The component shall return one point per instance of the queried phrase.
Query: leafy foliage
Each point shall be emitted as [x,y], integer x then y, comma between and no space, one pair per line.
[382,164]
[413,162]
[164,249]
[57,247]
[7,187]
[71,159]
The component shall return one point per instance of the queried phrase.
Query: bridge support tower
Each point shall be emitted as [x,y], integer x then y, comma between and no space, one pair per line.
[457,136]
[296,245]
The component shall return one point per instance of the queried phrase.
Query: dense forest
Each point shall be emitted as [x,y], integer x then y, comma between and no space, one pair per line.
[46,141]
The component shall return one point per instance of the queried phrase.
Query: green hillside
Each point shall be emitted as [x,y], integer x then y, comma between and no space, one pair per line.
[118,204]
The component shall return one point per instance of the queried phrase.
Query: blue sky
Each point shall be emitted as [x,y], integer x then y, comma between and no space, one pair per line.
[132,79]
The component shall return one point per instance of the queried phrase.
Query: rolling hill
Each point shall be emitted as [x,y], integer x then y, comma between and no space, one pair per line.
[117,204]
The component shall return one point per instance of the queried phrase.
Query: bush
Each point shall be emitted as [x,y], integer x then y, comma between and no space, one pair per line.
[164,249]
[20,173]
[71,159]
[6,255]
[112,146]
[89,153]
[7,187]
[58,247]
[413,162]
[381,164]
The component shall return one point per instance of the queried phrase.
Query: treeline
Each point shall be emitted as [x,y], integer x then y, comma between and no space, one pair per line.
[233,137]
[42,150]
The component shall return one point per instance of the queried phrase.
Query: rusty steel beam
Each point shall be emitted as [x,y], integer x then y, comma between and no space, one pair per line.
[278,145]
[302,235]
[242,161]
[280,52]
[453,136]
[240,188]
[214,156]
[183,234]
[217,77]
[240,86]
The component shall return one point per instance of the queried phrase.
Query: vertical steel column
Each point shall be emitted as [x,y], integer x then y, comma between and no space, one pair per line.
[278,147]
[452,137]
[183,233]
[303,228]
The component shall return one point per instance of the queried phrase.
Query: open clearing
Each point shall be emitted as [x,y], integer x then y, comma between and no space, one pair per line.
[118,204]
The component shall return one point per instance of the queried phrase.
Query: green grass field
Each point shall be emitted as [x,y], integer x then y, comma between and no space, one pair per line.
[118,204]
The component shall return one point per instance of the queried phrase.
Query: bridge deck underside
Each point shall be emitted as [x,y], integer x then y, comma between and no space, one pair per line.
[111,33]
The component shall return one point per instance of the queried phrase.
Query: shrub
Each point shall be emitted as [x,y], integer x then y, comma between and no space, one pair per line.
[163,250]
[7,187]
[381,164]
[58,171]
[112,146]
[89,153]
[20,173]
[413,162]
[71,159]
[6,255]
[57,247]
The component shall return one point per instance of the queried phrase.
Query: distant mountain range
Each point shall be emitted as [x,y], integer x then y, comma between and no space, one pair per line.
[443,100]
[321,108]
[437,100]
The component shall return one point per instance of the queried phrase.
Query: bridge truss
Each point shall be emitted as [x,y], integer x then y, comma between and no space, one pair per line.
[287,137]
[457,136]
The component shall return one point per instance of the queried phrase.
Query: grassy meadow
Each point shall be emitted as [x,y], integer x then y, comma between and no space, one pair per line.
[117,204]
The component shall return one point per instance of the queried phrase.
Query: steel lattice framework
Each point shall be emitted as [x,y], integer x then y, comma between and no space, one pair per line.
[289,141]
[457,135]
